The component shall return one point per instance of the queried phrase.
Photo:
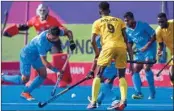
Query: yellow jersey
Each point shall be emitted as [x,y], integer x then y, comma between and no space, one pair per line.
[166,36]
[110,30]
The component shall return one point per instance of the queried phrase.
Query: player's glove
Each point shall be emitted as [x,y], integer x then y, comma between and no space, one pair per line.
[90,74]
[60,74]
[72,45]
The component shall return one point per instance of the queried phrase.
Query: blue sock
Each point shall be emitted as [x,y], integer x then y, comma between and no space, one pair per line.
[105,88]
[36,82]
[12,78]
[137,82]
[150,79]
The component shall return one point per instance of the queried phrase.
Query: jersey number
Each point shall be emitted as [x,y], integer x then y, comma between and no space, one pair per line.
[111,28]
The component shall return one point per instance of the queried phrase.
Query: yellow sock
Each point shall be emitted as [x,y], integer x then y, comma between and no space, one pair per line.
[123,88]
[95,88]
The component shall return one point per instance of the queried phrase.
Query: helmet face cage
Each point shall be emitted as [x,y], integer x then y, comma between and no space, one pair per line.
[42,11]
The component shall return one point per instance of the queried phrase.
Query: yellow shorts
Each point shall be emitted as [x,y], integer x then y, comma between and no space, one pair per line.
[107,54]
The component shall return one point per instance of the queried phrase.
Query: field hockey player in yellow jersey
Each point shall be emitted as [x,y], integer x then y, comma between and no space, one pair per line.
[165,36]
[113,41]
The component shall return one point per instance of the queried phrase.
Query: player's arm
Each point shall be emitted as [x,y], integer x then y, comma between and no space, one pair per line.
[94,45]
[128,44]
[43,56]
[69,34]
[153,39]
[150,32]
[94,64]
[97,52]
[91,72]
[126,38]
[160,41]
[129,48]
[95,33]
[47,64]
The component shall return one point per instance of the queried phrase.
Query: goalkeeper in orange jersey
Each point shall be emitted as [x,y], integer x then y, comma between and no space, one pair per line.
[114,46]
[164,36]
[41,22]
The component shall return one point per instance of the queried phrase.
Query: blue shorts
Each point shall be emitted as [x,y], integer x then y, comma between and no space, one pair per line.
[26,63]
[149,54]
[110,72]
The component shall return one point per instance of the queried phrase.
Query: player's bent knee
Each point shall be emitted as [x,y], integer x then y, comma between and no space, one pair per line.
[42,72]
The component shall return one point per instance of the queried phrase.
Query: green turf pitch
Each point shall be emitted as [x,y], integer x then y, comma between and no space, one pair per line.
[11,46]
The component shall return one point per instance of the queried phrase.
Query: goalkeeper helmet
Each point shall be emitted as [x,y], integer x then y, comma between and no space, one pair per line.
[42,11]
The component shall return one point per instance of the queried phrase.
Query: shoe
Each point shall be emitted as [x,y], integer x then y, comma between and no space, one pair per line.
[137,96]
[90,100]
[2,74]
[92,105]
[1,78]
[151,96]
[118,105]
[27,96]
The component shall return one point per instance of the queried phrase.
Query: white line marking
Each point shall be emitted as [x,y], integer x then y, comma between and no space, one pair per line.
[83,104]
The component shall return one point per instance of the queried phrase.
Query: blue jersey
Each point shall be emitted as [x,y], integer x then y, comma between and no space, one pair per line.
[30,54]
[39,46]
[140,35]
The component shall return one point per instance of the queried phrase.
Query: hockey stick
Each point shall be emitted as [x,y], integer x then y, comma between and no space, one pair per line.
[158,74]
[5,21]
[142,62]
[60,74]
[26,19]
[42,104]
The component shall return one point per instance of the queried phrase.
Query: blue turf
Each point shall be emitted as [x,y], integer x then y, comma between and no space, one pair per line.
[11,99]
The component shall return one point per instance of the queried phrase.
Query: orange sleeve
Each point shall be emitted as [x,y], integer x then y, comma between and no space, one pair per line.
[58,23]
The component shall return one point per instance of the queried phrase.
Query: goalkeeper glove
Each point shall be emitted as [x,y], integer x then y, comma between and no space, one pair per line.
[72,45]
